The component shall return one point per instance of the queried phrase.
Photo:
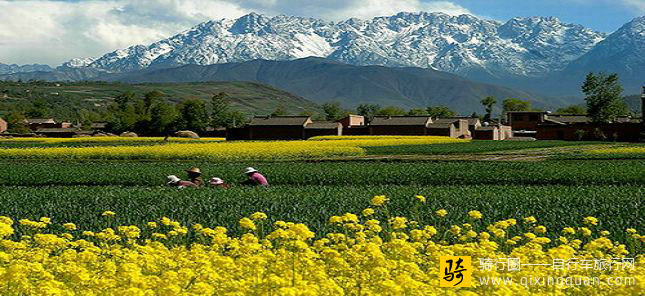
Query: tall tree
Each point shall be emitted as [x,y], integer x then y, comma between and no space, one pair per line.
[440,111]
[220,109]
[193,115]
[16,122]
[488,103]
[39,109]
[603,95]
[124,99]
[333,111]
[513,104]
[368,110]
[162,118]
[151,98]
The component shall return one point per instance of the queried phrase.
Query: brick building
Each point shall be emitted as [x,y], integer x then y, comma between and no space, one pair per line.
[354,125]
[493,132]
[352,121]
[451,127]
[45,123]
[400,125]
[323,128]
[278,127]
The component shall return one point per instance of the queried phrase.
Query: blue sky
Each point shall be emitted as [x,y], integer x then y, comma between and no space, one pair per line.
[52,32]
[600,15]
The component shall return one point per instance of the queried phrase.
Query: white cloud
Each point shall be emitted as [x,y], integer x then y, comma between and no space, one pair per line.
[636,4]
[52,32]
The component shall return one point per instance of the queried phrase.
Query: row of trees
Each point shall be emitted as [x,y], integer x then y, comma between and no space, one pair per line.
[151,115]
[333,111]
[603,96]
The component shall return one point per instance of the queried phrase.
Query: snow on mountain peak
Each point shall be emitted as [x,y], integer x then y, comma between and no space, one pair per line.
[459,44]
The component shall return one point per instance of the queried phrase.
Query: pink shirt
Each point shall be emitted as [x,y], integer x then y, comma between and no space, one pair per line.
[259,179]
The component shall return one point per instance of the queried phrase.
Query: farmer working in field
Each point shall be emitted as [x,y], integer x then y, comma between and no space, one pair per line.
[218,183]
[254,178]
[175,181]
[194,174]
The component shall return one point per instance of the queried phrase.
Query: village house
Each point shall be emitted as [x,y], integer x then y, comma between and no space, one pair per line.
[450,127]
[3,125]
[351,121]
[323,128]
[278,127]
[67,132]
[473,123]
[41,123]
[400,125]
[552,126]
[495,132]
[354,125]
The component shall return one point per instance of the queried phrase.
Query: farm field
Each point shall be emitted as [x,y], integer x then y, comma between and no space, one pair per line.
[588,208]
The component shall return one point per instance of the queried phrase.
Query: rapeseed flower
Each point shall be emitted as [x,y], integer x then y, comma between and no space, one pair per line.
[441,213]
[475,214]
[379,200]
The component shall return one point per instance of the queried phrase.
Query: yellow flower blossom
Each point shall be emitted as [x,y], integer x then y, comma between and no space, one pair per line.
[258,216]
[70,226]
[379,200]
[475,214]
[441,213]
[421,198]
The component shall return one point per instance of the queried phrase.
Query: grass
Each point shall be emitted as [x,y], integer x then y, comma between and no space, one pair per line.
[476,146]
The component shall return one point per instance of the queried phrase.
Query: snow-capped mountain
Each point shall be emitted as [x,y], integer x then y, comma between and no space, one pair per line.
[622,52]
[77,63]
[525,47]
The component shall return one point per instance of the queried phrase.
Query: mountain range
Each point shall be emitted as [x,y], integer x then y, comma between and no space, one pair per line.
[321,80]
[539,54]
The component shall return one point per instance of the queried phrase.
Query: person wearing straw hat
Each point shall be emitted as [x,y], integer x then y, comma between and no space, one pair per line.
[195,176]
[175,181]
[255,178]
[218,183]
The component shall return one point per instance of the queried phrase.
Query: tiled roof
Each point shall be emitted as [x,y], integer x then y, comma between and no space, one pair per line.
[443,123]
[471,120]
[40,120]
[323,125]
[569,118]
[279,120]
[401,120]
[57,130]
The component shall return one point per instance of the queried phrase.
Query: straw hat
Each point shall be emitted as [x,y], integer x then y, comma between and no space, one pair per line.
[194,170]
[216,181]
[172,179]
[249,170]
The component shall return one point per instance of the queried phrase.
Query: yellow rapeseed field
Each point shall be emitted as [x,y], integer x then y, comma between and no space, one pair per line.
[265,150]
[618,150]
[371,254]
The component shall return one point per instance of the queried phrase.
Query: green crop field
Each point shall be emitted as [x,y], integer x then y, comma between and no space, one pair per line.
[558,193]
[476,146]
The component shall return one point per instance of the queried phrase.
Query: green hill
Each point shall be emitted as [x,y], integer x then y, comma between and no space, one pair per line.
[65,100]
[322,80]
